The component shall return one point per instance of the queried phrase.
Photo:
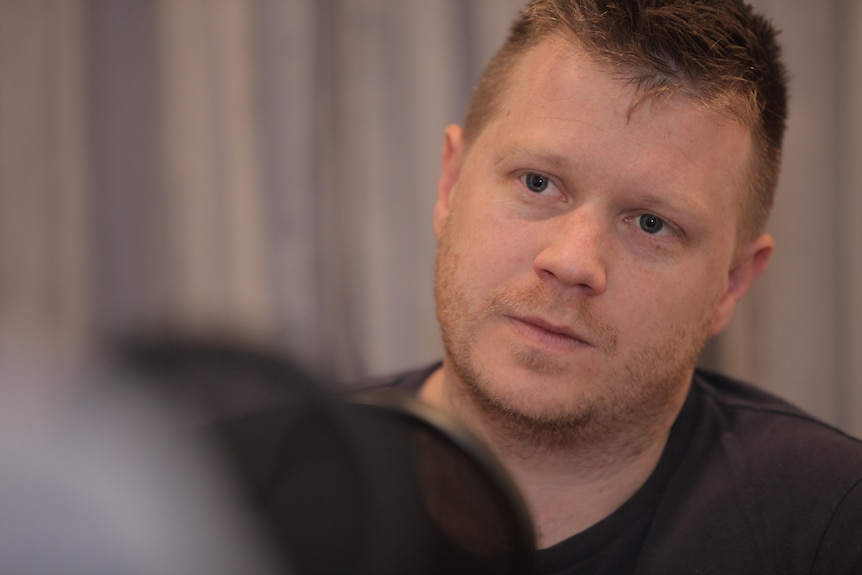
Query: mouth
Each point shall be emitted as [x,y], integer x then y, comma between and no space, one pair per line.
[548,334]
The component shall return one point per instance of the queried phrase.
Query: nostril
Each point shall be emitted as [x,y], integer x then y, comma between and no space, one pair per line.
[571,270]
[573,264]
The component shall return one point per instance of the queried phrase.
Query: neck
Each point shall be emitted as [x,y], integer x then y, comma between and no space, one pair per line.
[567,493]
[570,485]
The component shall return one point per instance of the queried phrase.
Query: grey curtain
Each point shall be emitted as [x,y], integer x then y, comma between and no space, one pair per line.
[267,168]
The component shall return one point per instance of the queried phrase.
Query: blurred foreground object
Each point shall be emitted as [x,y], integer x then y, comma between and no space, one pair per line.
[365,483]
[173,456]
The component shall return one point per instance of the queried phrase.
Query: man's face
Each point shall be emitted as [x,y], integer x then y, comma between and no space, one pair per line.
[587,251]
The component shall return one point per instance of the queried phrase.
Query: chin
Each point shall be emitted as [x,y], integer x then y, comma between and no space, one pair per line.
[555,397]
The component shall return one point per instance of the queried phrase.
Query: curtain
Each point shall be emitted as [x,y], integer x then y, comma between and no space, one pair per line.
[799,333]
[267,169]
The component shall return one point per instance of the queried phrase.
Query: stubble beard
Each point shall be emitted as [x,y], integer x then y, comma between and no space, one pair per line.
[620,415]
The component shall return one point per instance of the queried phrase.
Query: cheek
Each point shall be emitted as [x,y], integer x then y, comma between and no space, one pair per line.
[656,304]
[492,246]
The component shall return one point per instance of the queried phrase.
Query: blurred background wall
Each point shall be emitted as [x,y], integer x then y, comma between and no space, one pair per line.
[267,168]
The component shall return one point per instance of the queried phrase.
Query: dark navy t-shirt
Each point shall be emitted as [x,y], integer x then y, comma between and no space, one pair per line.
[747,483]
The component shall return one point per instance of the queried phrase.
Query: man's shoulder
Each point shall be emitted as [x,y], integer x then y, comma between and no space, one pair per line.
[757,415]
[774,444]
[763,487]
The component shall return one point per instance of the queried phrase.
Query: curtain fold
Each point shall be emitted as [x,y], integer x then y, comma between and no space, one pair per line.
[209,155]
[44,178]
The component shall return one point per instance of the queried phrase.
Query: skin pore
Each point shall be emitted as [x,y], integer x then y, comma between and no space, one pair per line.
[585,256]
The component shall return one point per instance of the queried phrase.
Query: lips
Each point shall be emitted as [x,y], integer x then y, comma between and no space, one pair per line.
[549,333]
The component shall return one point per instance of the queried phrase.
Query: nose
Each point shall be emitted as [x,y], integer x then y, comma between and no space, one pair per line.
[575,251]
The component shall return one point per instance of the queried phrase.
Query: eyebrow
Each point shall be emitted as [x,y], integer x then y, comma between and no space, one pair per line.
[524,152]
[663,203]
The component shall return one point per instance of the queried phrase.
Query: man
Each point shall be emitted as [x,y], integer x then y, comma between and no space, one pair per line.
[599,217]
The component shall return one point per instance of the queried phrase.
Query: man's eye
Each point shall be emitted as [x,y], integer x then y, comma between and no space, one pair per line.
[651,224]
[536,182]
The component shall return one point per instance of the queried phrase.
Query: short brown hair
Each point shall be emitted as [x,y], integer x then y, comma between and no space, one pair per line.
[720,53]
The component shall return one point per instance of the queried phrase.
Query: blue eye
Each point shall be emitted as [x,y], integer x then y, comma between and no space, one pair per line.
[651,224]
[536,182]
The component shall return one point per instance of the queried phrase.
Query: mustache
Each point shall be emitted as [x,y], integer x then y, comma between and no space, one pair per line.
[570,309]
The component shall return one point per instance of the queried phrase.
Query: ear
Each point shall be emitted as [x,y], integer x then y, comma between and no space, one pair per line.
[453,151]
[748,265]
